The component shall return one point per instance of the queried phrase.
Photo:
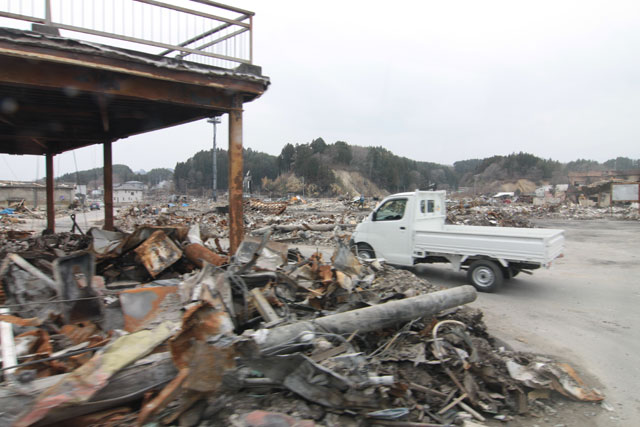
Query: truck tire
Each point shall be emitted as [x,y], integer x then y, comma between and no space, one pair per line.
[485,276]
[365,251]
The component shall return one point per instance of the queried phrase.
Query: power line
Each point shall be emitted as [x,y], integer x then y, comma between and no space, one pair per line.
[9,167]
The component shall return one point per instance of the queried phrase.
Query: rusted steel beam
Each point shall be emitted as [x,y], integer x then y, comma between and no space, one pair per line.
[236,231]
[108,187]
[120,77]
[51,212]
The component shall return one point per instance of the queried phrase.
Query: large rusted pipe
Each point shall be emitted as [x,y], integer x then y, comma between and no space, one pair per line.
[236,231]
[197,253]
[108,186]
[51,211]
[370,318]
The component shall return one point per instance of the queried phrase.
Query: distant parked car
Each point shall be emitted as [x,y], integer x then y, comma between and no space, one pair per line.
[94,206]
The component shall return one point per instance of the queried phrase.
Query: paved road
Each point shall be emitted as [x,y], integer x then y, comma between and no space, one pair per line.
[85,220]
[585,309]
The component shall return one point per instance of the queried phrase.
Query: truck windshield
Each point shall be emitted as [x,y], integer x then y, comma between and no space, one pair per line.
[391,210]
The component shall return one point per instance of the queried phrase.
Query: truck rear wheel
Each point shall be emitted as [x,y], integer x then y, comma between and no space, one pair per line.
[365,251]
[485,276]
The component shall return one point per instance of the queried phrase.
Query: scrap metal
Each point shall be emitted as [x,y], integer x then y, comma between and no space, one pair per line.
[358,338]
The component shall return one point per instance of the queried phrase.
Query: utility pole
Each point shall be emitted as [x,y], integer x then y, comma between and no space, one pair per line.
[215,121]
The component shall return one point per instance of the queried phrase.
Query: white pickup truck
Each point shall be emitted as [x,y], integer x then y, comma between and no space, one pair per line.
[409,228]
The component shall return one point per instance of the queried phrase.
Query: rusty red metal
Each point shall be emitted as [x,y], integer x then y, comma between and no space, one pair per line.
[201,364]
[158,253]
[198,253]
[79,332]
[51,213]
[108,186]
[236,231]
[169,393]
[273,208]
[198,323]
[107,418]
[31,321]
[142,305]
[208,365]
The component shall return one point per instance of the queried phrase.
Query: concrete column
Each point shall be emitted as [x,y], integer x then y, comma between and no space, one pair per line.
[108,187]
[236,226]
[51,211]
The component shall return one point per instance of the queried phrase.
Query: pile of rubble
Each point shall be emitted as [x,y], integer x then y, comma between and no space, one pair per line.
[489,215]
[163,324]
[577,212]
[520,215]
[316,222]
[15,213]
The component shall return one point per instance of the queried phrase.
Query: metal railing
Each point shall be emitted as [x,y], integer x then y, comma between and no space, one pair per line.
[201,31]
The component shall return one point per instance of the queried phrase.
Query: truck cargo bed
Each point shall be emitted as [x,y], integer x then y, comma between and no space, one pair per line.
[512,244]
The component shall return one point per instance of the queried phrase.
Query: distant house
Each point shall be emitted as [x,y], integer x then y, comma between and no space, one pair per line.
[550,194]
[33,194]
[129,192]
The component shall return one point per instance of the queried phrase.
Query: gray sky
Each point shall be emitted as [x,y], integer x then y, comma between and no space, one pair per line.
[436,81]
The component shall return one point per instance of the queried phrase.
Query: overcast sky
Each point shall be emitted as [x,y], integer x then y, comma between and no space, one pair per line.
[436,81]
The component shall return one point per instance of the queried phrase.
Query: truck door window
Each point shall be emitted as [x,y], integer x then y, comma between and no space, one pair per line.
[430,204]
[391,210]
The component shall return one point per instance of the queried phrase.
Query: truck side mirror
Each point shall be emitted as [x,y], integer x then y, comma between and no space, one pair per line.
[373,215]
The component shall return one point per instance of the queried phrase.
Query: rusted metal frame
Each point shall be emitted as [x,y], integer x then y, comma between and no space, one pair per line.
[51,213]
[193,12]
[147,42]
[104,113]
[35,149]
[10,72]
[203,35]
[108,186]
[236,226]
[224,6]
[136,87]
[35,141]
[164,126]
[221,39]
[53,145]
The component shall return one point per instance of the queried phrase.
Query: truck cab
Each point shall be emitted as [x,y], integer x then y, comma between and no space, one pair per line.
[389,227]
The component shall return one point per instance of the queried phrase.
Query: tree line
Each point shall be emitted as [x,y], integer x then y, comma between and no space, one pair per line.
[308,167]
[121,173]
[527,166]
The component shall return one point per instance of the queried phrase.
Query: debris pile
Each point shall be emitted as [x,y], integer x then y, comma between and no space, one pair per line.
[478,212]
[14,214]
[577,212]
[488,215]
[273,208]
[316,222]
[159,325]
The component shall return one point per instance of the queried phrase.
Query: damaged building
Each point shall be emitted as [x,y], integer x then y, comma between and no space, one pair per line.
[33,195]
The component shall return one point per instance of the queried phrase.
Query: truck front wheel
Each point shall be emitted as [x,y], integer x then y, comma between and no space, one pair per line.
[365,251]
[485,275]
